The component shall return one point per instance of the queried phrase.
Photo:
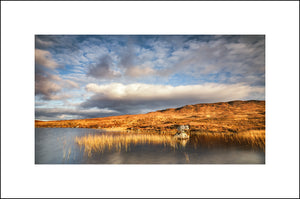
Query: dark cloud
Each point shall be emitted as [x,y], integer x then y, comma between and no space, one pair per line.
[59,43]
[62,113]
[127,54]
[42,44]
[46,86]
[49,86]
[129,61]
[132,106]
[103,68]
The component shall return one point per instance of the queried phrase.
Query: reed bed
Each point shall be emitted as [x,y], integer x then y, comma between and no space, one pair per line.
[100,143]
[254,140]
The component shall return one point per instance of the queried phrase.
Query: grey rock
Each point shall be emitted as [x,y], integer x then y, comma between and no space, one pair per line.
[181,136]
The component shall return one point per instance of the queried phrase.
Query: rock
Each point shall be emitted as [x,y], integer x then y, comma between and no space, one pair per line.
[181,136]
[183,127]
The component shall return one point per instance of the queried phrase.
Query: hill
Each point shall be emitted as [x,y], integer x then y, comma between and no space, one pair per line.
[233,116]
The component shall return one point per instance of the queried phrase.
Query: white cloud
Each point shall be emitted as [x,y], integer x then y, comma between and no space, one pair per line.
[142,98]
[154,92]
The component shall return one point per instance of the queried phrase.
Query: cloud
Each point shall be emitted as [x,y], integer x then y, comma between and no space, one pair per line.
[69,83]
[70,113]
[44,58]
[46,83]
[125,57]
[234,57]
[49,86]
[132,70]
[137,98]
[137,71]
[135,61]
[103,68]
[39,43]
[221,56]
[46,86]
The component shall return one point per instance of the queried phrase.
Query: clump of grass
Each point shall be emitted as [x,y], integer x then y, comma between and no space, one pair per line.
[254,139]
[100,143]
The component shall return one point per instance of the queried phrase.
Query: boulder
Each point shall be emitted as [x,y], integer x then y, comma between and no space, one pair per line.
[181,135]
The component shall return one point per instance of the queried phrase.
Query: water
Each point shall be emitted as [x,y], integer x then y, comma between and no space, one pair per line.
[59,146]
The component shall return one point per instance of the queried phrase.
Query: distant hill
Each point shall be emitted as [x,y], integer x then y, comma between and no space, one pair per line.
[233,116]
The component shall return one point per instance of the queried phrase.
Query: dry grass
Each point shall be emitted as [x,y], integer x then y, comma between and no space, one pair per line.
[254,139]
[99,143]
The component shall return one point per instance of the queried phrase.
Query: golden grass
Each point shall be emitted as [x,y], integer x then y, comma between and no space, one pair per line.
[99,143]
[254,139]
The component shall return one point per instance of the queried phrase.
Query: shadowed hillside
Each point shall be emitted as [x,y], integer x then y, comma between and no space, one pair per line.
[233,117]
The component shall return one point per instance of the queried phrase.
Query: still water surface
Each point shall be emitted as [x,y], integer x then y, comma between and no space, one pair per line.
[59,146]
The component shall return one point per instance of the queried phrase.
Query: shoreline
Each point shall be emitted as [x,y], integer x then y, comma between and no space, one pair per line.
[117,130]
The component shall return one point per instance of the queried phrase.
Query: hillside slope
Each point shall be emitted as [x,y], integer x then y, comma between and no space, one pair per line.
[234,116]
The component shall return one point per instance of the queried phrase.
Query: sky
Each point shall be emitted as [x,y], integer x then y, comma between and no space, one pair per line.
[89,76]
